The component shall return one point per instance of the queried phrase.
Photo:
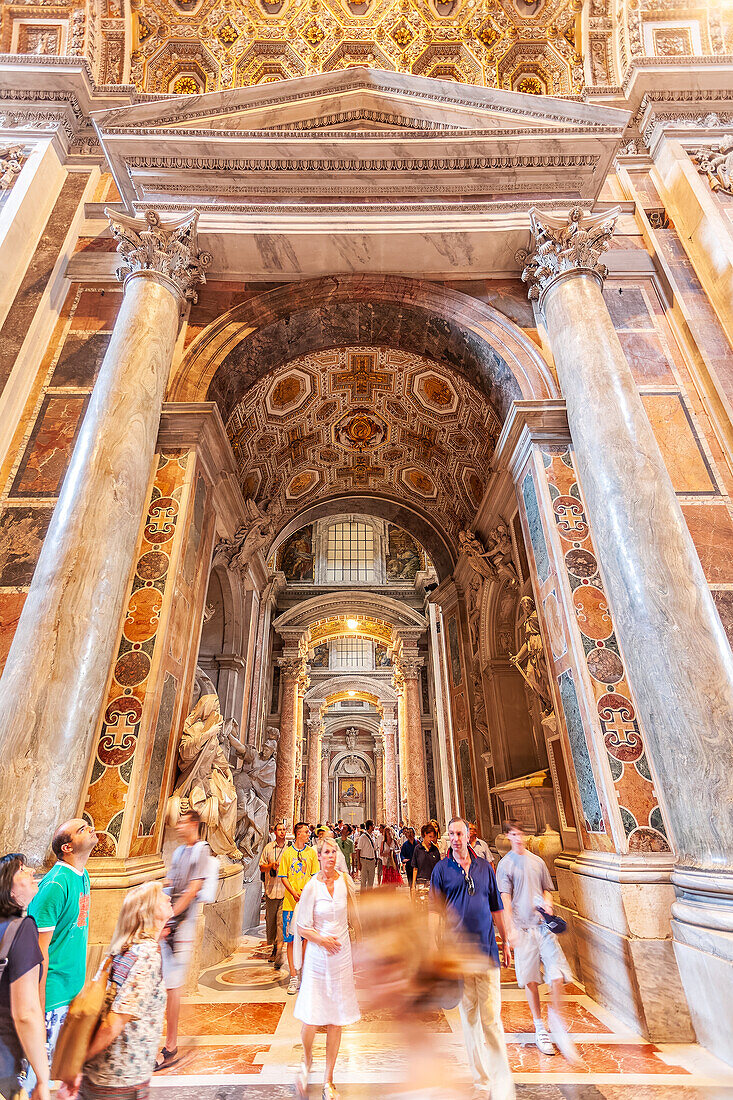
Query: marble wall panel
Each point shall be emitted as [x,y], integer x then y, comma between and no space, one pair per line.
[711,528]
[464,759]
[31,476]
[678,441]
[22,531]
[119,732]
[156,766]
[50,446]
[11,605]
[647,357]
[623,737]
[724,602]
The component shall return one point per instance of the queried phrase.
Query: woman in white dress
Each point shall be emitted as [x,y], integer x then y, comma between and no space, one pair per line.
[327,995]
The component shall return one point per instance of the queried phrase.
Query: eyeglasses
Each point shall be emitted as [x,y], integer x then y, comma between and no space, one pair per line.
[469,883]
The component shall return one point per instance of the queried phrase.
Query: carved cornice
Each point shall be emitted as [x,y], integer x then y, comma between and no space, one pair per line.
[565,246]
[292,165]
[168,249]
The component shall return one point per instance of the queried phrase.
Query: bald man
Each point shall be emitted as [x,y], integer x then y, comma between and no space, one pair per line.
[61,911]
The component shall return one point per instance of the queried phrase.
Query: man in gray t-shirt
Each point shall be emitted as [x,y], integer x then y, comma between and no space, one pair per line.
[526,886]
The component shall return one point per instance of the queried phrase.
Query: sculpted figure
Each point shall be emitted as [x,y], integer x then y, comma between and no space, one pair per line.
[205,781]
[249,537]
[478,558]
[254,783]
[717,164]
[499,553]
[529,661]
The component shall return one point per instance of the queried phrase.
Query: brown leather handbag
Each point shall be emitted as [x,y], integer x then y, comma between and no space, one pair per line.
[77,1030]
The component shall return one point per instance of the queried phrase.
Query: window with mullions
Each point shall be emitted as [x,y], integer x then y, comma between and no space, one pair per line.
[350,554]
[352,653]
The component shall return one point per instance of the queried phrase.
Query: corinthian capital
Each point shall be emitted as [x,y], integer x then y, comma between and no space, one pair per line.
[565,246]
[292,666]
[410,667]
[168,249]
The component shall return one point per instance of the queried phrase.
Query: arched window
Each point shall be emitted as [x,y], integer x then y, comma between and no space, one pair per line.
[352,653]
[350,553]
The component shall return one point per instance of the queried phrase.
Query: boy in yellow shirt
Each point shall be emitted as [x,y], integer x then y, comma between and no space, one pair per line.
[298,864]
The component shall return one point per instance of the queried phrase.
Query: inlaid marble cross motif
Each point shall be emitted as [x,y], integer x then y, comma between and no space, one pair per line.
[361,380]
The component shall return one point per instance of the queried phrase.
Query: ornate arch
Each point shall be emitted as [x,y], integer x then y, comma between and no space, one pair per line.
[366,685]
[333,767]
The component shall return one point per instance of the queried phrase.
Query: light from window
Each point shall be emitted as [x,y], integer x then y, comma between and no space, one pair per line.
[350,553]
[352,653]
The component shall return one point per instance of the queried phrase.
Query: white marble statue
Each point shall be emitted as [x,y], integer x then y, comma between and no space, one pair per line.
[254,783]
[530,660]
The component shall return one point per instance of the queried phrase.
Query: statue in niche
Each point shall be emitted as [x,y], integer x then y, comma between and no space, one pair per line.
[499,553]
[351,735]
[480,721]
[205,781]
[250,537]
[254,783]
[530,661]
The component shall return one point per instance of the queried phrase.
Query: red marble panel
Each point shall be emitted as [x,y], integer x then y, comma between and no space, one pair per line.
[516,1017]
[11,605]
[677,438]
[22,531]
[711,528]
[230,1019]
[647,358]
[96,309]
[598,1058]
[220,1059]
[50,446]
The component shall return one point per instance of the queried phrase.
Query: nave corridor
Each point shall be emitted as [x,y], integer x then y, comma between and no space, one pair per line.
[239,1041]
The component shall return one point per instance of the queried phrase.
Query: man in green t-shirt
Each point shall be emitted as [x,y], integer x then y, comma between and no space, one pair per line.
[61,911]
[346,845]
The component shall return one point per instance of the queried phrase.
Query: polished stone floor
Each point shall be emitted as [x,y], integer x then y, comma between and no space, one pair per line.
[240,1041]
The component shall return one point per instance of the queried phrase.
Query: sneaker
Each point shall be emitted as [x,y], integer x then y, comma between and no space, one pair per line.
[543,1042]
[294,985]
[562,1040]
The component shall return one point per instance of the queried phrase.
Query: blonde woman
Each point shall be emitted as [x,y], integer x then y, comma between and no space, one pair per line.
[122,1053]
[327,995]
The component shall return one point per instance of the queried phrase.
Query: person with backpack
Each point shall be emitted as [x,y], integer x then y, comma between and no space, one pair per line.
[22,1026]
[121,1056]
[188,873]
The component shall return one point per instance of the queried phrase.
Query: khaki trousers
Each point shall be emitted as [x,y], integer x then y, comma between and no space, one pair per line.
[367,873]
[480,1010]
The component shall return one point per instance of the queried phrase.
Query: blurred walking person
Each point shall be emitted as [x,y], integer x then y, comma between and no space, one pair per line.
[184,881]
[22,1026]
[526,890]
[327,995]
[61,911]
[466,884]
[121,1057]
[476,844]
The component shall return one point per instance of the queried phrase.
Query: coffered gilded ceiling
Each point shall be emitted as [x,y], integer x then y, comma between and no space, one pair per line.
[195,46]
[366,419]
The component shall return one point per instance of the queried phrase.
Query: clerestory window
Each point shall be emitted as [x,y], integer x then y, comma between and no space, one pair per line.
[350,553]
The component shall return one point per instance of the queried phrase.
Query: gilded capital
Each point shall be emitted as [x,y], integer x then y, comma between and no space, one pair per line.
[292,666]
[564,246]
[168,249]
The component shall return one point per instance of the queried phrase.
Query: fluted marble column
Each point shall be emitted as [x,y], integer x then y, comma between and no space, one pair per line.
[313,773]
[284,797]
[56,672]
[676,651]
[325,762]
[408,682]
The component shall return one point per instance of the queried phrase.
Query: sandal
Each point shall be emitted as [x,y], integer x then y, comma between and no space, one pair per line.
[329,1093]
[168,1058]
[301,1082]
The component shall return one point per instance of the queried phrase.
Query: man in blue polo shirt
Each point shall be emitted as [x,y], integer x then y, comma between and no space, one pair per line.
[467,886]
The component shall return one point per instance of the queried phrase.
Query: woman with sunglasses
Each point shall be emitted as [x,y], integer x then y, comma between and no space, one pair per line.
[22,1027]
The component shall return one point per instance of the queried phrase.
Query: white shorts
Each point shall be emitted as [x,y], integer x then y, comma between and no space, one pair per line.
[176,961]
[536,950]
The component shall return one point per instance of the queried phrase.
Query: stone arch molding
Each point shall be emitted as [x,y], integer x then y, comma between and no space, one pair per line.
[370,685]
[340,604]
[458,331]
[369,771]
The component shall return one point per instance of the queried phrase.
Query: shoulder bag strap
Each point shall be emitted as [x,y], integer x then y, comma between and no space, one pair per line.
[7,941]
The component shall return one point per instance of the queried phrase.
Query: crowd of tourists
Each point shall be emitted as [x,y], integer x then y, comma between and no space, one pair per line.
[310,879]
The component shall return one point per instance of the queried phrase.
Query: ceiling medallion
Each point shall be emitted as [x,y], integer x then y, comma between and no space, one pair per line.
[185,85]
[227,33]
[402,34]
[530,85]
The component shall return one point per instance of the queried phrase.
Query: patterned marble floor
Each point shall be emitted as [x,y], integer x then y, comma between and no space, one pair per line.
[240,1041]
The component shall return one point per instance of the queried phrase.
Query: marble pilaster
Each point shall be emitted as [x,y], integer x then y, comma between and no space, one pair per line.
[379,777]
[391,798]
[325,809]
[679,661]
[313,771]
[407,681]
[284,796]
[68,627]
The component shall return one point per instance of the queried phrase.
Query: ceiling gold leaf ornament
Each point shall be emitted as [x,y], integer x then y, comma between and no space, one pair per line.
[257,41]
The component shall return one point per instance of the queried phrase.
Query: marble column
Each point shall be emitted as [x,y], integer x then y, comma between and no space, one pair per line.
[284,796]
[677,654]
[414,747]
[57,669]
[325,762]
[379,774]
[392,807]
[313,772]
